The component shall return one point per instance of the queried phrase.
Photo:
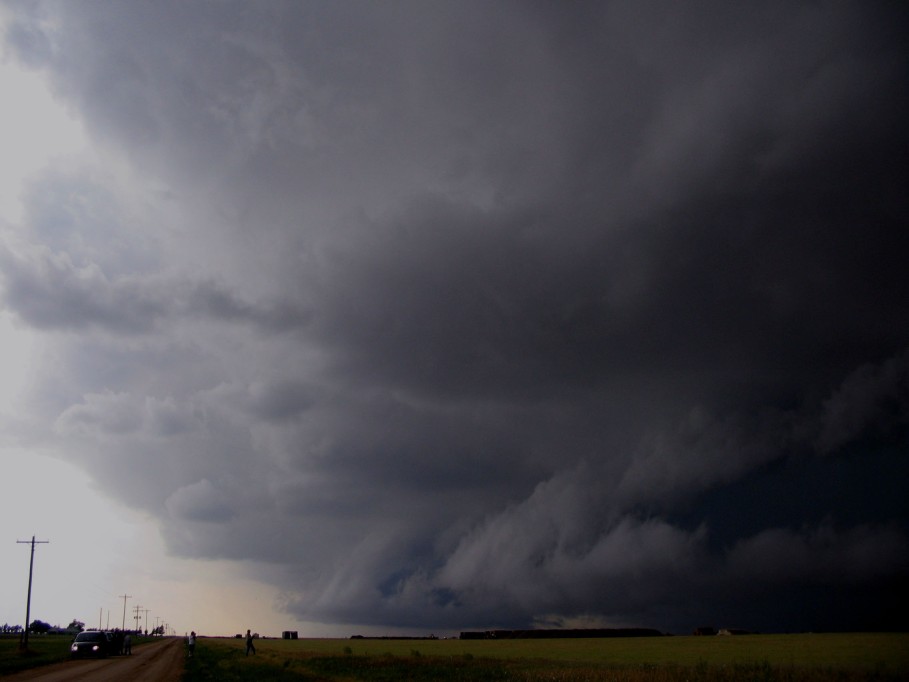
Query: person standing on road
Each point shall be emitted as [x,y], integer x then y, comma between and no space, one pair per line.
[249,644]
[191,643]
[127,645]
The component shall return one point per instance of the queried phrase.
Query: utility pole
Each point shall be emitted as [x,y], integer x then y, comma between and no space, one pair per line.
[138,610]
[28,601]
[124,597]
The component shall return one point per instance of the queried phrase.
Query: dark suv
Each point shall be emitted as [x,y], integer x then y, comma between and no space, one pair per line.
[91,643]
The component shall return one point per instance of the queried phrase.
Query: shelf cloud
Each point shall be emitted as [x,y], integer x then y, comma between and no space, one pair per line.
[469,315]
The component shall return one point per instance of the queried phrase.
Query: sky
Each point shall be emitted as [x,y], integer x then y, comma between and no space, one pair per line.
[421,317]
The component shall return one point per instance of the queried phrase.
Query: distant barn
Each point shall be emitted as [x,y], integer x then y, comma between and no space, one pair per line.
[289,634]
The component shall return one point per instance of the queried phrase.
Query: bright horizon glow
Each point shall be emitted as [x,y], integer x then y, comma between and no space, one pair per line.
[98,551]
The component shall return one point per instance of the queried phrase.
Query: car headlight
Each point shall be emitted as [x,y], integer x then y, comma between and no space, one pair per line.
[74,648]
[95,648]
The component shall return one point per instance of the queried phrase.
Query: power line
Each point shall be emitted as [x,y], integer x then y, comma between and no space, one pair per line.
[28,601]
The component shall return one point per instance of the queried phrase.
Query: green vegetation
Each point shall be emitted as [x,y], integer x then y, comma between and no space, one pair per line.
[794,658]
[42,649]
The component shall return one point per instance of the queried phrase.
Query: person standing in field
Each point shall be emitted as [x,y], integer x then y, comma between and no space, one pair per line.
[249,644]
[191,643]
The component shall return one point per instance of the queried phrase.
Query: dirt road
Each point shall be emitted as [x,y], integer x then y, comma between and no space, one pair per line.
[156,662]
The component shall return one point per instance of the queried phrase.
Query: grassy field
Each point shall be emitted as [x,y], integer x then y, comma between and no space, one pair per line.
[43,649]
[794,658]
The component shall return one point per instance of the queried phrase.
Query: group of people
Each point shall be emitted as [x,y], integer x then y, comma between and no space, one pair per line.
[191,643]
[121,642]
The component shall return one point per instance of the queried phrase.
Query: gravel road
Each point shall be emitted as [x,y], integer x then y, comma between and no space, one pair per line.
[157,662]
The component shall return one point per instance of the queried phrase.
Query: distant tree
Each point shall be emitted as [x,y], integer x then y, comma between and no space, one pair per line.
[39,627]
[76,625]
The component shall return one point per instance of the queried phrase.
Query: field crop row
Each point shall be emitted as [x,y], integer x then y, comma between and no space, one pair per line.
[795,658]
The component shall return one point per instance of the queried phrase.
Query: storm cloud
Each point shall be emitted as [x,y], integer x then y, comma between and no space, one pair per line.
[458,315]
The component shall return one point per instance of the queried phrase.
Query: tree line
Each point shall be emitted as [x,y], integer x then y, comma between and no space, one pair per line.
[40,627]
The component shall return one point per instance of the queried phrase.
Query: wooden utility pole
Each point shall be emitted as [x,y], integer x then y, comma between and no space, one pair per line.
[28,601]
[124,597]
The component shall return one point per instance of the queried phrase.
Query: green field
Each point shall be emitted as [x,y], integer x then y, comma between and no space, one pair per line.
[42,650]
[796,658]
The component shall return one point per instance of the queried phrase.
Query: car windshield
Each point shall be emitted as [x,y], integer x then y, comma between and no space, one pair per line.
[90,637]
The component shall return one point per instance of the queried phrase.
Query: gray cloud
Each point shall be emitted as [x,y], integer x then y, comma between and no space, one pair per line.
[200,501]
[701,453]
[859,555]
[558,550]
[50,291]
[469,315]
[872,402]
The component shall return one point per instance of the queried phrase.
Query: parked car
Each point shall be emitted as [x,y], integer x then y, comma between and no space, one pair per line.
[91,643]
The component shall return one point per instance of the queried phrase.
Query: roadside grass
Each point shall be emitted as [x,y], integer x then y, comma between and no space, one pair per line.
[759,658]
[42,650]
